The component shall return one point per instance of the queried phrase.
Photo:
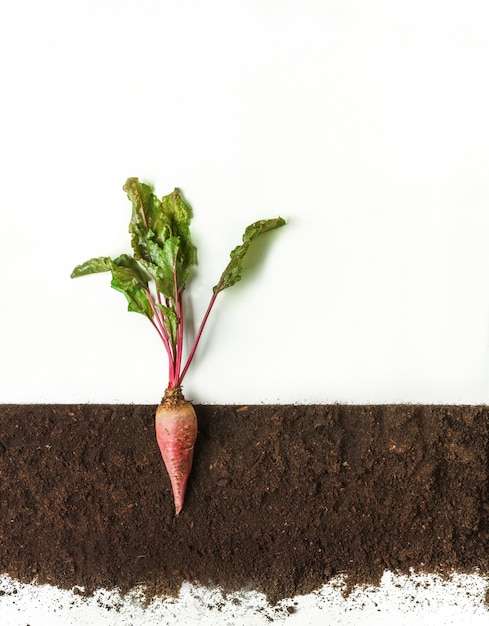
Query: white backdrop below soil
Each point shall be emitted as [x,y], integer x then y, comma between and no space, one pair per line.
[404,601]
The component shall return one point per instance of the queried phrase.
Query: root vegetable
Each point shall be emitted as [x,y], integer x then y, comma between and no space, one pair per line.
[176,432]
[153,281]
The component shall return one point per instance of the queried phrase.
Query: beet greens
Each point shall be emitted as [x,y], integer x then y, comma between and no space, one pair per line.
[155,277]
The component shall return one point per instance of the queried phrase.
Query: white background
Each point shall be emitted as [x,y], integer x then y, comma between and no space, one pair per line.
[364,124]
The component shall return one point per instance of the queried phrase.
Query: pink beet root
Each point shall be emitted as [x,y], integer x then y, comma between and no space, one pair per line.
[176,432]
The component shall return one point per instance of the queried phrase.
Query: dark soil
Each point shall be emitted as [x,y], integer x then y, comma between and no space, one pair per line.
[281,498]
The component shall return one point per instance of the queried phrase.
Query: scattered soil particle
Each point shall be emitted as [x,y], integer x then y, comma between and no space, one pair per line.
[280,499]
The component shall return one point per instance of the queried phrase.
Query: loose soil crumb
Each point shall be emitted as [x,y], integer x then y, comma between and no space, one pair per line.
[280,499]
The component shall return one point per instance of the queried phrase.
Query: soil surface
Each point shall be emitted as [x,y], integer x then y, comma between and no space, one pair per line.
[280,499]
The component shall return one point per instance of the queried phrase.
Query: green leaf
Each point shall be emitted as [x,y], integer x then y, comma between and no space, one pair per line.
[133,270]
[178,215]
[164,263]
[146,218]
[154,223]
[129,278]
[92,266]
[171,322]
[232,273]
